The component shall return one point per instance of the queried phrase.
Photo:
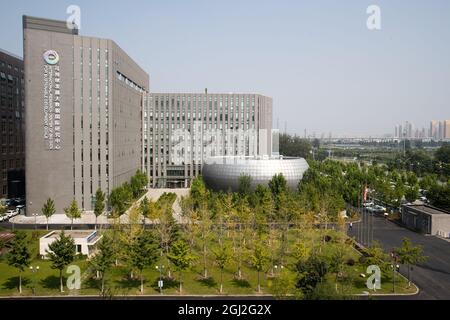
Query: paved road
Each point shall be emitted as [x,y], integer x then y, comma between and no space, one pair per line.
[432,276]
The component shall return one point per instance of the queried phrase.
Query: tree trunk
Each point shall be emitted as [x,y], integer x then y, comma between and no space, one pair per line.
[103,282]
[181,283]
[142,284]
[205,270]
[96,222]
[61,281]
[409,275]
[20,283]
[221,281]
[47,224]
[259,283]
[71,225]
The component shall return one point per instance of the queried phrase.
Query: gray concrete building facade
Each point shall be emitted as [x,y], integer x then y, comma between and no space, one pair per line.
[184,129]
[84,99]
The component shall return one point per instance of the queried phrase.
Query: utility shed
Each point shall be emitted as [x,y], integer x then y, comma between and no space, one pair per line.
[426,219]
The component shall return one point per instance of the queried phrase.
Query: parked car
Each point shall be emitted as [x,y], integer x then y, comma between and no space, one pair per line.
[378,209]
[368,204]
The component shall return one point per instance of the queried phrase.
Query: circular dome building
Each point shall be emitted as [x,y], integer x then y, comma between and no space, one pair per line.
[223,173]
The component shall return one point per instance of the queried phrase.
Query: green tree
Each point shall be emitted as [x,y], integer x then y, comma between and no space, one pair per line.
[311,273]
[48,209]
[143,253]
[181,257]
[119,199]
[99,205]
[19,255]
[103,261]
[3,209]
[61,253]
[222,256]
[259,259]
[245,185]
[137,183]
[198,192]
[167,230]
[443,154]
[439,196]
[412,193]
[73,212]
[293,146]
[409,255]
[145,208]
[375,255]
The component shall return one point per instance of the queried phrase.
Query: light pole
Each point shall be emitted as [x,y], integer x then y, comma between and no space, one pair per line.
[34,270]
[35,220]
[395,268]
[280,268]
[160,282]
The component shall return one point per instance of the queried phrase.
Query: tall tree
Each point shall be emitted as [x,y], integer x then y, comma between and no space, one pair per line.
[48,209]
[143,253]
[181,257]
[222,256]
[19,255]
[205,230]
[61,253]
[99,205]
[259,259]
[72,212]
[104,259]
[410,255]
[167,229]
[199,193]
[145,208]
[245,185]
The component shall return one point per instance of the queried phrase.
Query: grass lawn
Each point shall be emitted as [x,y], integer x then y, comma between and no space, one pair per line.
[118,282]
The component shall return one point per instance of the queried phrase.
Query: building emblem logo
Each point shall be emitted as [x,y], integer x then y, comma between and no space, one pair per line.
[51,57]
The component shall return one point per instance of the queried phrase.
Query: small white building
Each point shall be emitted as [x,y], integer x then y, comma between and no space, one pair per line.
[84,241]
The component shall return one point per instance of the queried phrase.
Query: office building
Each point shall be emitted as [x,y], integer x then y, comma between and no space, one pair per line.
[12,130]
[184,129]
[84,99]
[434,128]
[447,129]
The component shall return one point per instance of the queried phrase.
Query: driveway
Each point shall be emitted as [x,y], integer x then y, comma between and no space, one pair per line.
[432,276]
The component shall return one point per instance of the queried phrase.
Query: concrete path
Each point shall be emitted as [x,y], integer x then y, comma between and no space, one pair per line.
[88,218]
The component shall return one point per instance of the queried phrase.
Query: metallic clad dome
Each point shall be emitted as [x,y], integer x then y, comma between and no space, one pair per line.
[223,173]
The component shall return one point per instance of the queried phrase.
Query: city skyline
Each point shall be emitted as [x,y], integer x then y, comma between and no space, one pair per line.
[381,78]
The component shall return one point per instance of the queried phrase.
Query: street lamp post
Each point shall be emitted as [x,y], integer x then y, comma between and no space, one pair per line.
[160,282]
[278,268]
[35,220]
[394,269]
[34,270]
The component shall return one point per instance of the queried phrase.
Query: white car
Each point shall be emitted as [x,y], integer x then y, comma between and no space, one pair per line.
[10,213]
[368,204]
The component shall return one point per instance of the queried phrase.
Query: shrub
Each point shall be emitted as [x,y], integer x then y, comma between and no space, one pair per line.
[350,262]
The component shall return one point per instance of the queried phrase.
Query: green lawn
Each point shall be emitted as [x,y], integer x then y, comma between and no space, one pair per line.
[46,280]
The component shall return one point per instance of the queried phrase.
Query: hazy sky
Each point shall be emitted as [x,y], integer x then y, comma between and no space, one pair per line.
[324,69]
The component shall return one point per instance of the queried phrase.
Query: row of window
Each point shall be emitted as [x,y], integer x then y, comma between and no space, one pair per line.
[3,64]
[13,164]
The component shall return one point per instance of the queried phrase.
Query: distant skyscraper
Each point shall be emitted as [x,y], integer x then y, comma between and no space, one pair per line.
[441,132]
[433,134]
[447,129]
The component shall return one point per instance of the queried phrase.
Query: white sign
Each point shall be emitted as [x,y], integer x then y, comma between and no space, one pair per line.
[52,101]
